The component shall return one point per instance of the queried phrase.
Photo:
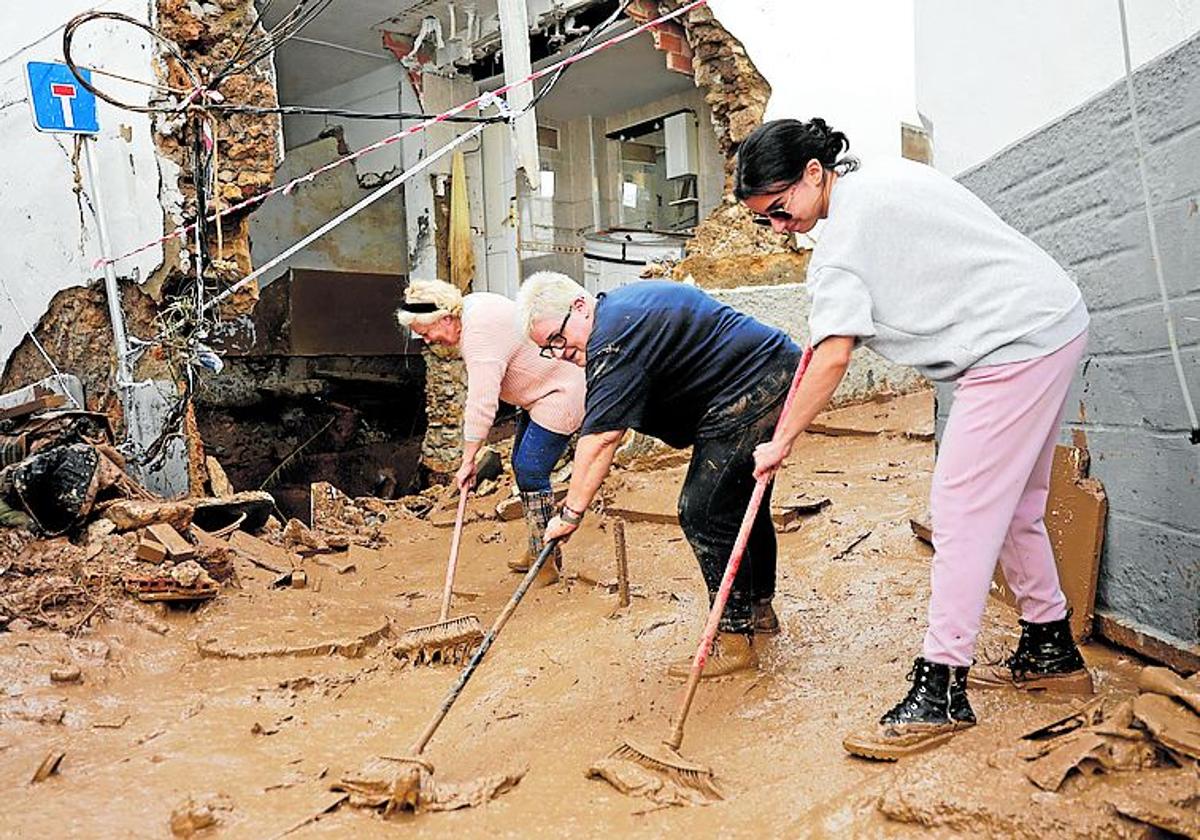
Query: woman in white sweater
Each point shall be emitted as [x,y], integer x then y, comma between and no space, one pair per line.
[911,264]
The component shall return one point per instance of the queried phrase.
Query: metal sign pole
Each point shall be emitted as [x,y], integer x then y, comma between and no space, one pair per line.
[111,291]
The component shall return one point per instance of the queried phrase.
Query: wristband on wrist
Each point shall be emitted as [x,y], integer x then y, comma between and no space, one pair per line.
[571,517]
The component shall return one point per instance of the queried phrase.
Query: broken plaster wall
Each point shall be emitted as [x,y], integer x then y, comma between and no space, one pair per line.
[1072,187]
[50,242]
[371,241]
[147,190]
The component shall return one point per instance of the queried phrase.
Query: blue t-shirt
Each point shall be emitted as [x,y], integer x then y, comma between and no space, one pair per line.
[669,361]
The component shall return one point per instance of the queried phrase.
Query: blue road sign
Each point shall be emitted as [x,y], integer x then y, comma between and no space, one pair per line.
[60,103]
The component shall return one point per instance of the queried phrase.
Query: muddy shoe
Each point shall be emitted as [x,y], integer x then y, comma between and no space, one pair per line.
[1046,659]
[539,510]
[935,709]
[766,623]
[731,653]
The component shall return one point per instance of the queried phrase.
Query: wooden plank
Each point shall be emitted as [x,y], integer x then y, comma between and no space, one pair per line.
[33,406]
[177,547]
[1075,515]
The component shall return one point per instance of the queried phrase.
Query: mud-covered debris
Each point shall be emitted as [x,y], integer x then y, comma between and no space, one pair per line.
[1173,725]
[488,464]
[48,767]
[299,537]
[131,514]
[632,779]
[218,481]
[191,817]
[1184,822]
[408,785]
[66,674]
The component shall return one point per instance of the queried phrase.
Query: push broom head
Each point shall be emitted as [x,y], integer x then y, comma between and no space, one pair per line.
[448,642]
[689,782]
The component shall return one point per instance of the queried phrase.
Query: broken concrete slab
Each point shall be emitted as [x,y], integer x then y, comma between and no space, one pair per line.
[128,514]
[1075,516]
[218,482]
[262,553]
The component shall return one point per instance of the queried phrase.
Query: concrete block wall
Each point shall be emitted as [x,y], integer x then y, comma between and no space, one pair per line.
[786,307]
[1073,187]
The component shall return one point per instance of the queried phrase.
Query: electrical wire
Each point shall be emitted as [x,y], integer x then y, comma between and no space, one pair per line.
[1155,256]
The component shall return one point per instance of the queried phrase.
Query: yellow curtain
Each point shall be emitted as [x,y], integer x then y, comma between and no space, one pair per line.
[462,251]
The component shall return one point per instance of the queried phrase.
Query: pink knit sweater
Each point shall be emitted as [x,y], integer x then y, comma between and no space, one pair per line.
[502,364]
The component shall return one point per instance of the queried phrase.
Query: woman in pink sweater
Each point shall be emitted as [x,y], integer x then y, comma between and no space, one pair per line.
[502,364]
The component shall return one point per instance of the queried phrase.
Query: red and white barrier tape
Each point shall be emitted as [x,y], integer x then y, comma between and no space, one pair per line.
[483,99]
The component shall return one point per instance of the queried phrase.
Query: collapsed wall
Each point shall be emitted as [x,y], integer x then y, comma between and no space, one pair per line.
[728,248]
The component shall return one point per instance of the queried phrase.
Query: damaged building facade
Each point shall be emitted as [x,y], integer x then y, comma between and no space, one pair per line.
[620,169]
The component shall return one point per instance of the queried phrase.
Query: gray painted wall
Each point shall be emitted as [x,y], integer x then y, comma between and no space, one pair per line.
[1073,187]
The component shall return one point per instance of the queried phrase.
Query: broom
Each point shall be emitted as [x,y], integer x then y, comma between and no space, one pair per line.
[448,640]
[664,760]
[407,787]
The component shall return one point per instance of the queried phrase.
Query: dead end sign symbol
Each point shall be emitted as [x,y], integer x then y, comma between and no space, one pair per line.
[60,103]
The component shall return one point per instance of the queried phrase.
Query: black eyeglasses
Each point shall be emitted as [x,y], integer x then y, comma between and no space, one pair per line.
[556,341]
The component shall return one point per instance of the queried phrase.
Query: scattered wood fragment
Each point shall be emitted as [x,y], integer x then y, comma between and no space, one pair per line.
[43,403]
[49,766]
[255,550]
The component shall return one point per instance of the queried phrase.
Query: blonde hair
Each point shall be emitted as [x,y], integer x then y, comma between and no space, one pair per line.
[545,294]
[447,299]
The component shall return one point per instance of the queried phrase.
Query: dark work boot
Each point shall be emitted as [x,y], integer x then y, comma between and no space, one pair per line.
[1046,659]
[935,709]
[766,623]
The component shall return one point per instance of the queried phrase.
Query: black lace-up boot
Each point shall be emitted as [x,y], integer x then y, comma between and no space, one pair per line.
[1046,659]
[935,708]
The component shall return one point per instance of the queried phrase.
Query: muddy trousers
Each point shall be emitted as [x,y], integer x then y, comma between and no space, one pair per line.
[988,501]
[719,483]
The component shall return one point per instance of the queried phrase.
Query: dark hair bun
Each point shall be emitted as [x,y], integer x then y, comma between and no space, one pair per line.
[831,143]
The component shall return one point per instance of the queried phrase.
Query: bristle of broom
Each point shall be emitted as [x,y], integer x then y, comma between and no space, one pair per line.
[672,766]
[447,642]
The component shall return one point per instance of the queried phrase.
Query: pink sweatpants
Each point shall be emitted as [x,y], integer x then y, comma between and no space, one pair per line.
[988,500]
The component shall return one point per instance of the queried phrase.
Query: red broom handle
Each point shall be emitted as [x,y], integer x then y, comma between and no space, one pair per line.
[731,570]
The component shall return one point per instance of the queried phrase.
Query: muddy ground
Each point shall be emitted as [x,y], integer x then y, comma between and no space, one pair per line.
[159,718]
